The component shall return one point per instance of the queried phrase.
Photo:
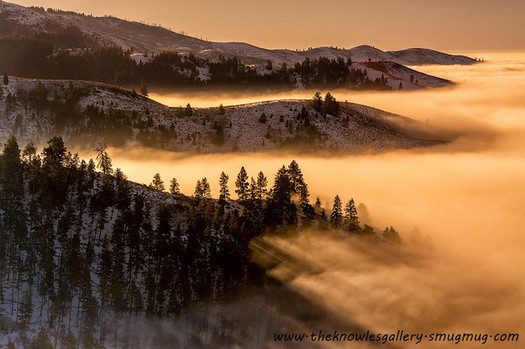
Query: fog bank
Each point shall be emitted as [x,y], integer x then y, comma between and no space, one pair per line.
[467,196]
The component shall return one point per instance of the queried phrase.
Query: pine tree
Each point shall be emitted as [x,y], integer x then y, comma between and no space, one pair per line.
[296,176]
[11,170]
[119,175]
[390,234]
[252,191]
[242,185]
[262,182]
[198,192]
[282,188]
[157,183]
[224,190]
[304,203]
[206,190]
[188,111]
[54,172]
[317,102]
[331,106]
[103,159]
[174,186]
[350,216]
[55,154]
[336,217]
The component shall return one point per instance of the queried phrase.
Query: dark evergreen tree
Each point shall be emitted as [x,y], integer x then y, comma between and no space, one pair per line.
[282,188]
[242,185]
[391,235]
[331,106]
[296,177]
[350,217]
[188,111]
[336,216]
[103,160]
[224,191]
[11,171]
[174,186]
[281,210]
[307,210]
[198,193]
[206,190]
[54,181]
[157,183]
[317,102]
[261,184]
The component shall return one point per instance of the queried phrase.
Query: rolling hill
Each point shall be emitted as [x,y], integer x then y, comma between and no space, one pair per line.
[79,30]
[85,113]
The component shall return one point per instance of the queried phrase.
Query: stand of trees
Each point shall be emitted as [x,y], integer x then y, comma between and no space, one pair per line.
[81,249]
[41,57]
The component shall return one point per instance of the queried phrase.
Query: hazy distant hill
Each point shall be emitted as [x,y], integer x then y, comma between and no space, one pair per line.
[77,30]
[85,113]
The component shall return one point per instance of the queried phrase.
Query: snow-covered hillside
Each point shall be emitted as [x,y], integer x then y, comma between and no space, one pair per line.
[400,77]
[411,56]
[15,19]
[85,113]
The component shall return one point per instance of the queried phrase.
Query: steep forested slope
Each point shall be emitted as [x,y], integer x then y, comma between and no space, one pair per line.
[82,252]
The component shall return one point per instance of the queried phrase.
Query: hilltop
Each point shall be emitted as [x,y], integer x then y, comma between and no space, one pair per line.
[73,30]
[85,113]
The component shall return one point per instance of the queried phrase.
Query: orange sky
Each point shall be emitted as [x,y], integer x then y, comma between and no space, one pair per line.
[388,24]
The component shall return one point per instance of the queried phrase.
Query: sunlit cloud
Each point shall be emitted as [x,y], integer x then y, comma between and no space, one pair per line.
[466,196]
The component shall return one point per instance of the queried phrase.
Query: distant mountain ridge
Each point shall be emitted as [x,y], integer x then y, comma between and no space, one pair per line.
[106,31]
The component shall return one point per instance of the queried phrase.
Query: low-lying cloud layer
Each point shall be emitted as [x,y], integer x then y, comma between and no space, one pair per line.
[385,287]
[467,196]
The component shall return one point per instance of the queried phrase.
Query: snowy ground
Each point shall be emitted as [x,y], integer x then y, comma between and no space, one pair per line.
[267,126]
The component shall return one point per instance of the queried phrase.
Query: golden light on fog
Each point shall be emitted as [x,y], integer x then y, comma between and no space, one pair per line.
[467,196]
[481,167]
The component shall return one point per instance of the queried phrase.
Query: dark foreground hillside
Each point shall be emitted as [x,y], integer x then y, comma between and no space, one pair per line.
[84,254]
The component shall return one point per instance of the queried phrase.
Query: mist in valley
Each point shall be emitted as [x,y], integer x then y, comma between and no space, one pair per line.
[464,198]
